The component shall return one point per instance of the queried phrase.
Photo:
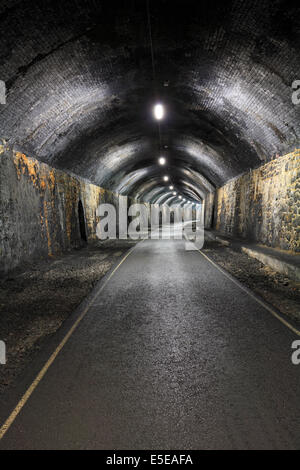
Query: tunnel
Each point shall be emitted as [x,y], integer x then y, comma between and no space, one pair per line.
[179,107]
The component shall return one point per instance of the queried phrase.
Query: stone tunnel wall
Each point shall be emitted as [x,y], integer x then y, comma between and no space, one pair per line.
[263,205]
[39,209]
[209,209]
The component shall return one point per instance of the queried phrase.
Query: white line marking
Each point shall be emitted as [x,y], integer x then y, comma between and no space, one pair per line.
[252,294]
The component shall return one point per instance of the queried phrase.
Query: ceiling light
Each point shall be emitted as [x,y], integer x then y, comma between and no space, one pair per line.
[180,197]
[171,187]
[174,194]
[159,111]
[166,178]
[162,161]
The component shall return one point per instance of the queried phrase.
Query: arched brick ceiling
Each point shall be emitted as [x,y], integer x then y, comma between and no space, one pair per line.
[81,90]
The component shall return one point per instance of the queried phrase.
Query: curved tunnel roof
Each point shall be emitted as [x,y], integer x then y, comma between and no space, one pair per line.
[81,88]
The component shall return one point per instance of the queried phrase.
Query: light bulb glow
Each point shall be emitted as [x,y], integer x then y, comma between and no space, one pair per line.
[162,161]
[174,193]
[166,178]
[159,111]
[171,187]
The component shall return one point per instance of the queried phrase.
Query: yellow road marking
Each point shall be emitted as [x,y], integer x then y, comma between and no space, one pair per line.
[4,428]
[265,305]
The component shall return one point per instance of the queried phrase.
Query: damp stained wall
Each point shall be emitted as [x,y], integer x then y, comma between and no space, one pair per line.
[263,205]
[39,209]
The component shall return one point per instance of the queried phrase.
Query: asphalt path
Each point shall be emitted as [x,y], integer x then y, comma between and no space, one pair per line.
[169,354]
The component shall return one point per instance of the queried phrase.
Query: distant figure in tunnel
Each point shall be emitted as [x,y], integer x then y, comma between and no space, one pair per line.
[81,219]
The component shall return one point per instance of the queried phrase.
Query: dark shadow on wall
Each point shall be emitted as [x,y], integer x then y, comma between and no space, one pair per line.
[81,220]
